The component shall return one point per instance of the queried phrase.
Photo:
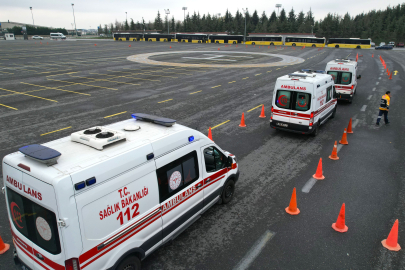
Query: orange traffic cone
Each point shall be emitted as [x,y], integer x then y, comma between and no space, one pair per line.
[246,46]
[95,44]
[3,246]
[344,138]
[340,225]
[334,152]
[292,208]
[372,55]
[268,47]
[349,127]
[390,76]
[242,121]
[218,49]
[170,47]
[210,134]
[318,175]
[391,242]
[129,45]
[262,115]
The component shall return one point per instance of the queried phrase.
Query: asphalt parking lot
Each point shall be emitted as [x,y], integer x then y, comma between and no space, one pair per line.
[50,89]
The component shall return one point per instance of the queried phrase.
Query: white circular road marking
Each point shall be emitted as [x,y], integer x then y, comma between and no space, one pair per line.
[285,60]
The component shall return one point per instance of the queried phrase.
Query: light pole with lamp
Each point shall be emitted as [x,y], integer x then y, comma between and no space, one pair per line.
[74,19]
[245,11]
[278,6]
[32,17]
[184,22]
[167,11]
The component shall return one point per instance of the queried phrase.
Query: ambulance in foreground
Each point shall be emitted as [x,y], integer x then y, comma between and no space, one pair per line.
[344,73]
[108,196]
[303,101]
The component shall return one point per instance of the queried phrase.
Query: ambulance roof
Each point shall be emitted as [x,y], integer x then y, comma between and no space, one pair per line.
[312,77]
[349,62]
[153,138]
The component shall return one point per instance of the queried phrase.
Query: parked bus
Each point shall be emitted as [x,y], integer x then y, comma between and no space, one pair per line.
[121,36]
[192,38]
[232,39]
[305,41]
[158,37]
[264,40]
[353,43]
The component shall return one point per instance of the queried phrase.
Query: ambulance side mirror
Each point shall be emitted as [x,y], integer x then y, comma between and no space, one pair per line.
[359,77]
[229,163]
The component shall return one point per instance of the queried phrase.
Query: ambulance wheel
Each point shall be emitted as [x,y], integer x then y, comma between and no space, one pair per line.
[227,192]
[334,112]
[130,263]
[315,132]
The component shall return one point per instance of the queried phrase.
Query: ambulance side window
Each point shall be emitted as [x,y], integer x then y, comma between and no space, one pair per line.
[177,175]
[214,159]
[329,93]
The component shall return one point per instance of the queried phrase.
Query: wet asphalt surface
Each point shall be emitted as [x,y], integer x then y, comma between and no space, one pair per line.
[73,85]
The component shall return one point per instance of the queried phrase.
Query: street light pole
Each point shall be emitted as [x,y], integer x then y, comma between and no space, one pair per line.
[74,19]
[167,11]
[32,17]
[278,6]
[184,21]
[245,11]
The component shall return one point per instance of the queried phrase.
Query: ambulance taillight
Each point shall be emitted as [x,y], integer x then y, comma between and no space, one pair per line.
[311,119]
[72,264]
[271,115]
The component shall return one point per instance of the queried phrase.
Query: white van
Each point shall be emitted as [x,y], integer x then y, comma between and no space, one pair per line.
[106,197]
[57,36]
[344,73]
[9,36]
[302,101]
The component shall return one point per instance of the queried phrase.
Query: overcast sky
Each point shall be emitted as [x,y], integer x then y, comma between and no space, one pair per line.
[91,13]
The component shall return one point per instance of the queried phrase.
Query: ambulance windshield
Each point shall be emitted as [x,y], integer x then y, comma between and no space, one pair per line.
[34,222]
[293,100]
[341,77]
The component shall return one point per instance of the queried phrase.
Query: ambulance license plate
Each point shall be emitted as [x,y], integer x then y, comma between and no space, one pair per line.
[282,125]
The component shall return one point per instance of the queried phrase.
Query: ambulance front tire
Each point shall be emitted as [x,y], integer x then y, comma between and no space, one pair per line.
[130,263]
[227,192]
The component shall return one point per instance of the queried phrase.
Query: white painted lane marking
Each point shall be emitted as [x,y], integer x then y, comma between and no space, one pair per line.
[309,184]
[369,97]
[379,78]
[339,146]
[374,89]
[377,83]
[254,251]
[355,123]
[363,109]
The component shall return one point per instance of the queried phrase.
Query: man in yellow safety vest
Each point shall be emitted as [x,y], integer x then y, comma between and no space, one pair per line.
[384,108]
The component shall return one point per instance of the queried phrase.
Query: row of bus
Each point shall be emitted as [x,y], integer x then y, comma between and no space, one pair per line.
[356,43]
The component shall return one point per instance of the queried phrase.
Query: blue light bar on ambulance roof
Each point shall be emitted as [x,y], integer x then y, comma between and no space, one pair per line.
[154,119]
[41,153]
[191,138]
[80,185]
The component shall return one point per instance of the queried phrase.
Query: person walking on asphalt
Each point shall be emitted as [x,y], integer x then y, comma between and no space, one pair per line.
[384,108]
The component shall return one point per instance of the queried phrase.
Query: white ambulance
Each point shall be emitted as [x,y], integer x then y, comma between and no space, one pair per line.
[302,101]
[344,73]
[106,197]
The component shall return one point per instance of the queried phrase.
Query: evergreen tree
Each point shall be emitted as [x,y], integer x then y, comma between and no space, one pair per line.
[255,19]
[173,25]
[292,21]
[132,25]
[300,22]
[126,25]
[158,22]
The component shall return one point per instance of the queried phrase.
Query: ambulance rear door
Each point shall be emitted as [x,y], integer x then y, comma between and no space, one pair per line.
[282,104]
[301,99]
[34,215]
